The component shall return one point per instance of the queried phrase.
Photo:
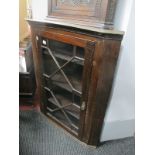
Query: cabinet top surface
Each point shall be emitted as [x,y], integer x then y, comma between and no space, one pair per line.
[93,29]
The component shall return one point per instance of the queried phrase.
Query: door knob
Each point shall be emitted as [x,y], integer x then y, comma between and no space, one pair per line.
[37,38]
[83,105]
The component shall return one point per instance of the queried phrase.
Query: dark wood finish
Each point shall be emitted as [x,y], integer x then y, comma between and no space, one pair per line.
[86,83]
[27,82]
[101,82]
[89,45]
[101,53]
[95,13]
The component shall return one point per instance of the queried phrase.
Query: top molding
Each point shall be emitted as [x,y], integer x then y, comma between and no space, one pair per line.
[81,27]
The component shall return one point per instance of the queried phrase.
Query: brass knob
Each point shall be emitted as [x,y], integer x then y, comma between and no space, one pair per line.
[94,63]
[83,105]
[44,42]
[37,38]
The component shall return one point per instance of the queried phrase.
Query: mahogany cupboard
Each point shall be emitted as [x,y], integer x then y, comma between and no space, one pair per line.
[75,69]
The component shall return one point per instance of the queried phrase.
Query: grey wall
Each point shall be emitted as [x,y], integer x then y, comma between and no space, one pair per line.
[119,120]
[39,9]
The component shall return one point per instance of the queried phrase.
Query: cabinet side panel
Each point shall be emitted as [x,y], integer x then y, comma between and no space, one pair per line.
[101,83]
[89,50]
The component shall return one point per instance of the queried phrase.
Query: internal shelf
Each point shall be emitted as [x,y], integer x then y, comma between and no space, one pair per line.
[60,81]
[73,109]
[77,60]
[61,105]
[72,112]
[60,117]
[73,128]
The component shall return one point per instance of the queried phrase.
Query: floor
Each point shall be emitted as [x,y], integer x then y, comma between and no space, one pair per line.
[39,136]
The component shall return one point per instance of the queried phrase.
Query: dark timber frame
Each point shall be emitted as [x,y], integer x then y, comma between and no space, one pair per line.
[101,53]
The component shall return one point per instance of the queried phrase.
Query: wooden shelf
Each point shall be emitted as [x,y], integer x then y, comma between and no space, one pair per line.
[60,81]
[60,55]
[73,110]
[63,123]
[79,61]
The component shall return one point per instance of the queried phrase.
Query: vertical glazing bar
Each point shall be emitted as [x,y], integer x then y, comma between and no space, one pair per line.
[74,51]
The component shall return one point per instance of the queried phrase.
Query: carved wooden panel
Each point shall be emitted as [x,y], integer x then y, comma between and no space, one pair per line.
[96,11]
[75,7]
[75,2]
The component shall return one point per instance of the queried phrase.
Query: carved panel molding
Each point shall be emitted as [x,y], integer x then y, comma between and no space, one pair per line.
[76,2]
[95,12]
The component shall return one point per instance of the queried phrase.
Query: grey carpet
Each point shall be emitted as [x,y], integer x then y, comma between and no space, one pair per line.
[38,136]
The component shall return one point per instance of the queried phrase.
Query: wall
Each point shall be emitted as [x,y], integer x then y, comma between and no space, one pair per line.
[120,115]
[39,9]
[119,119]
[23,26]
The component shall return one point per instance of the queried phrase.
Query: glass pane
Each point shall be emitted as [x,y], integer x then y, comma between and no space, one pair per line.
[62,72]
[73,73]
[64,108]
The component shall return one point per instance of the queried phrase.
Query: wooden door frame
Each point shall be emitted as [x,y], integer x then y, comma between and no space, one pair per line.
[89,46]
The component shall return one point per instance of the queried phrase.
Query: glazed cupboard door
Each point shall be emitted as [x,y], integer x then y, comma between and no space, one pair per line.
[65,75]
